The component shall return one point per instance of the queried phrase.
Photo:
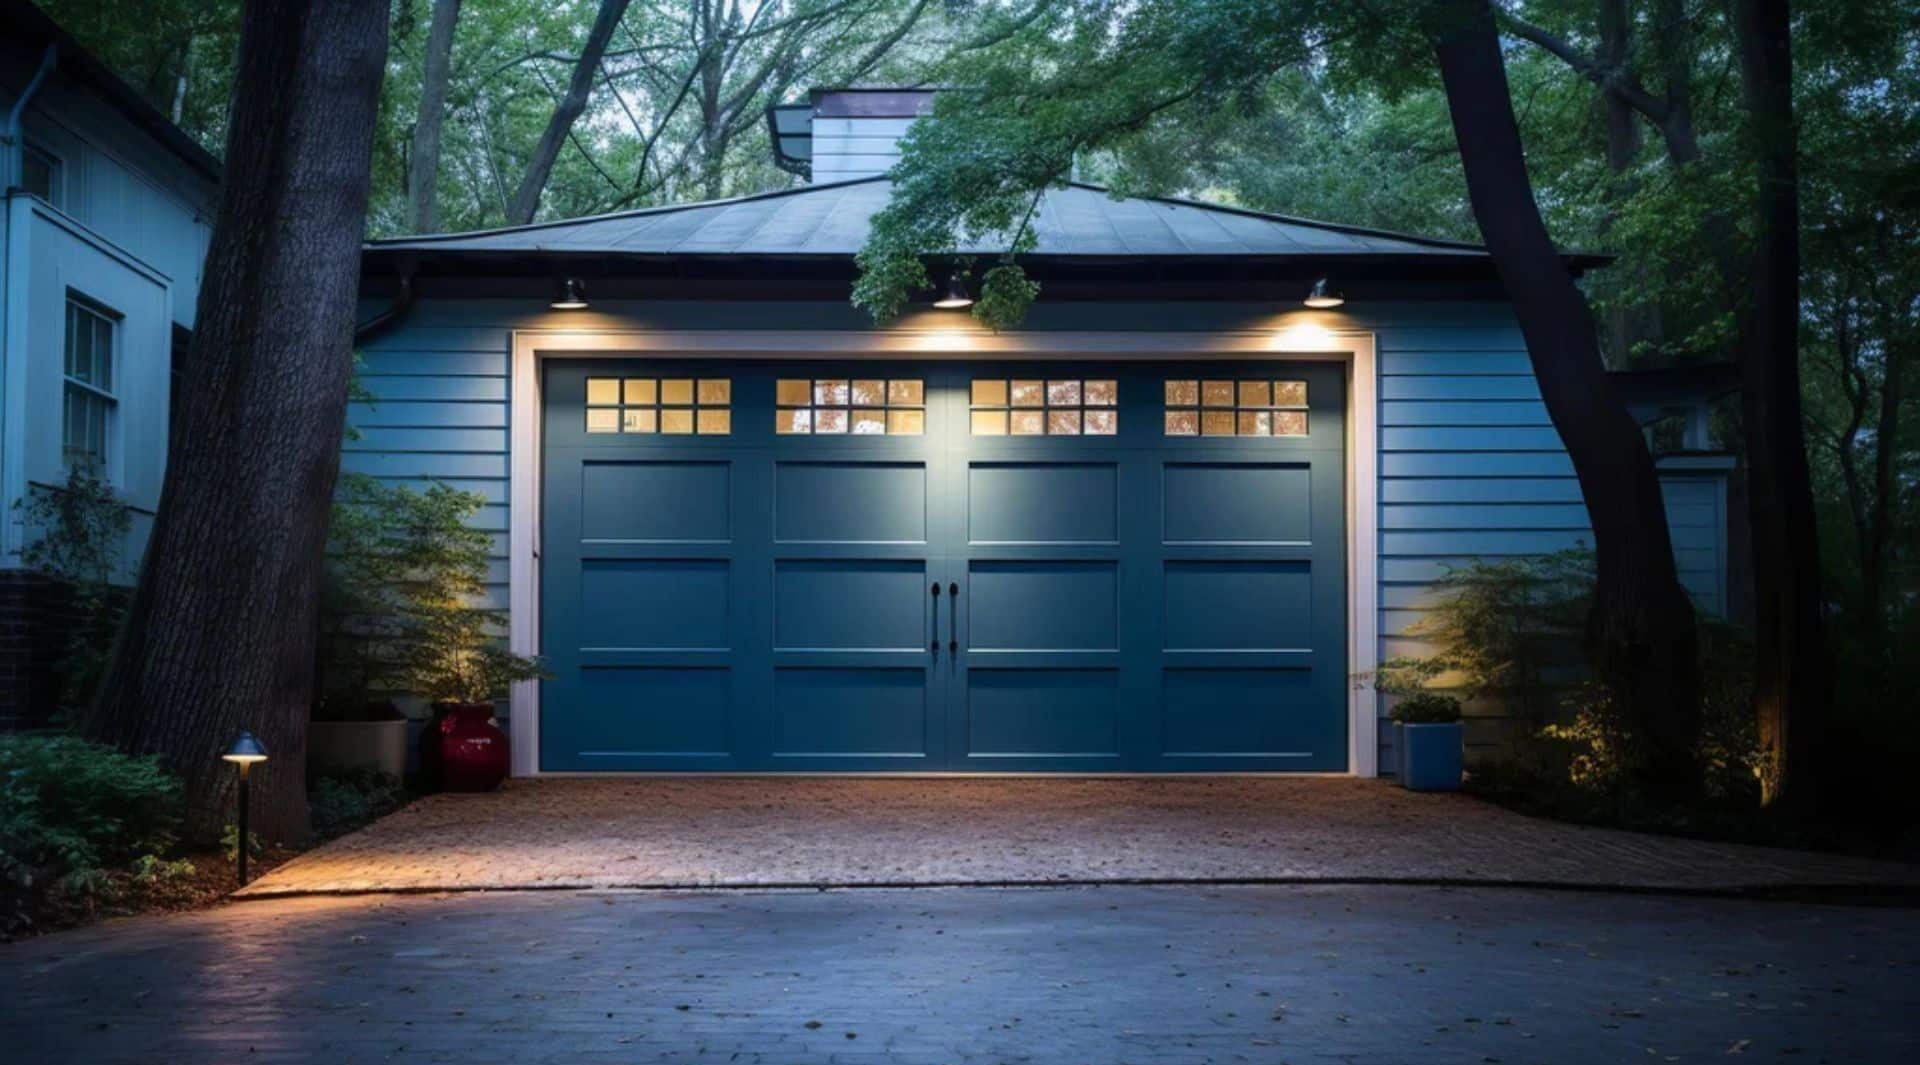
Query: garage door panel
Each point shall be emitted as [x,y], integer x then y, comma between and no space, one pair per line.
[1237,503]
[829,712]
[656,501]
[850,502]
[654,603]
[1239,605]
[1239,713]
[1029,713]
[1042,503]
[656,712]
[851,604]
[1043,606]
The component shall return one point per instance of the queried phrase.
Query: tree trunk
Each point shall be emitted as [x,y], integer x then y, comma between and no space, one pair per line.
[1642,635]
[526,200]
[424,164]
[1629,324]
[219,634]
[1791,672]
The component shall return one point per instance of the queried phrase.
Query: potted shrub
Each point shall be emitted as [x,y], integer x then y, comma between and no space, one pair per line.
[1430,740]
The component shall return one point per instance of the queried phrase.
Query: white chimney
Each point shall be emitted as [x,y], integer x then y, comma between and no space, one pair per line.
[843,134]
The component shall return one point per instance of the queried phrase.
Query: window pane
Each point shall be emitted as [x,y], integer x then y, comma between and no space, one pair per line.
[1217,423]
[715,421]
[830,392]
[642,390]
[1103,393]
[1255,394]
[103,353]
[1029,422]
[906,393]
[1063,422]
[39,174]
[1183,422]
[1256,423]
[640,421]
[716,392]
[1217,394]
[1289,423]
[869,422]
[793,421]
[602,392]
[1290,393]
[791,393]
[677,420]
[1028,394]
[869,393]
[830,421]
[1183,393]
[906,422]
[1102,422]
[677,390]
[603,421]
[989,423]
[989,393]
[1063,393]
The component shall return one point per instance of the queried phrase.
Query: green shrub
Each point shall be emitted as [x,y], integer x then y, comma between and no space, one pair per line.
[72,812]
[79,529]
[342,801]
[1426,708]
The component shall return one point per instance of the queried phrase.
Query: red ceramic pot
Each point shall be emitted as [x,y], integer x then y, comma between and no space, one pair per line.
[463,748]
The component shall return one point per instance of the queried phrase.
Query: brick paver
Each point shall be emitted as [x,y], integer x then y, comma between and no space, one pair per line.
[654,832]
[1083,974]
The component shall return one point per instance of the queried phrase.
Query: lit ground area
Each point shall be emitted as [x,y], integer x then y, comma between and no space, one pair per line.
[1081,974]
[768,831]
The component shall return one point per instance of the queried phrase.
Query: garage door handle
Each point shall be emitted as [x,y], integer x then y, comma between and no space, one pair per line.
[953,616]
[934,644]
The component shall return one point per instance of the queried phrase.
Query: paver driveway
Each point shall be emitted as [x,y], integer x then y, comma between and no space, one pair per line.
[653,832]
[923,976]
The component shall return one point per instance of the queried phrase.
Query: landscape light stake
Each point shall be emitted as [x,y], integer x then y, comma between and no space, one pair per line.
[245,751]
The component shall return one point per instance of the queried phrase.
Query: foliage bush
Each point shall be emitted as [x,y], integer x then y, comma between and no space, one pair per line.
[74,812]
[1426,708]
[342,801]
[80,533]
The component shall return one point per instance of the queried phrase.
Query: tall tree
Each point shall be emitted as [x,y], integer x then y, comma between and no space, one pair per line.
[533,182]
[219,634]
[1078,85]
[423,163]
[1792,681]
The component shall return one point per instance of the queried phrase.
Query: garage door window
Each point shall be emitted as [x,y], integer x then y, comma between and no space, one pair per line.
[1016,407]
[860,406]
[1236,408]
[669,405]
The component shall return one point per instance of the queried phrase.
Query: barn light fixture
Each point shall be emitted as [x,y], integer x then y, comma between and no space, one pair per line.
[244,752]
[1321,296]
[957,295]
[571,297]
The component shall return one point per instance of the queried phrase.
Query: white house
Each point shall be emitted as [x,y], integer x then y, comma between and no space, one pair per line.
[108,211]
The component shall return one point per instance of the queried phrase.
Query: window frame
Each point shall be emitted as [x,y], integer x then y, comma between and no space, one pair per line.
[96,390]
[56,194]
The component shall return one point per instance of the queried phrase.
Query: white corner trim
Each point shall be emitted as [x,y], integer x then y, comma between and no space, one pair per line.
[1363,484]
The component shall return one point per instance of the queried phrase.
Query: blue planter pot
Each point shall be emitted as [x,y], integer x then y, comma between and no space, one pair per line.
[1430,756]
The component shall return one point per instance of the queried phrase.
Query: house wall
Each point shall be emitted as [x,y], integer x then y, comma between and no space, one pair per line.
[1469,464]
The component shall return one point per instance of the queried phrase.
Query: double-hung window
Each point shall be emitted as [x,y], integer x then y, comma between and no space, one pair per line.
[87,403]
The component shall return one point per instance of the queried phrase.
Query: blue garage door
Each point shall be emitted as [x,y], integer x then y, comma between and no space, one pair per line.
[897,567]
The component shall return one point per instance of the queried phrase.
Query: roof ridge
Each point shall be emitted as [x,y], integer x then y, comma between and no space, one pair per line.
[638,212]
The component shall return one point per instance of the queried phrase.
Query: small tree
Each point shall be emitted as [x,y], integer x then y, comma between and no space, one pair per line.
[82,530]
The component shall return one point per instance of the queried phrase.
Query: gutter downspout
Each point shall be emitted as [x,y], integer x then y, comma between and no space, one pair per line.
[14,138]
[395,313]
[14,142]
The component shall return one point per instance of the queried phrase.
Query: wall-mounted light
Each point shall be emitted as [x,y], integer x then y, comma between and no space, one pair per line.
[957,295]
[572,296]
[244,752]
[1321,296]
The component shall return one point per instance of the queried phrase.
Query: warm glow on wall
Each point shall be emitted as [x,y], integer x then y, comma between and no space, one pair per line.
[1305,335]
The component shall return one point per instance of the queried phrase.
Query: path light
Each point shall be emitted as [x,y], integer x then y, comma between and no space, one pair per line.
[957,295]
[245,751]
[571,297]
[1320,296]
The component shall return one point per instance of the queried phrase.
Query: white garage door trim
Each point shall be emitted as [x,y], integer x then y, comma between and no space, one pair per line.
[1303,337]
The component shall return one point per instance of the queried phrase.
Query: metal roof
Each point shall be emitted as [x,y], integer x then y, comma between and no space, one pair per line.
[832,220]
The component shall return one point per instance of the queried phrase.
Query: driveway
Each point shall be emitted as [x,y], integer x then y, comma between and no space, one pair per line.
[825,832]
[1124,974]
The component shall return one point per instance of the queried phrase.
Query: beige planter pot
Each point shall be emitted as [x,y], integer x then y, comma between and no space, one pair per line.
[380,745]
